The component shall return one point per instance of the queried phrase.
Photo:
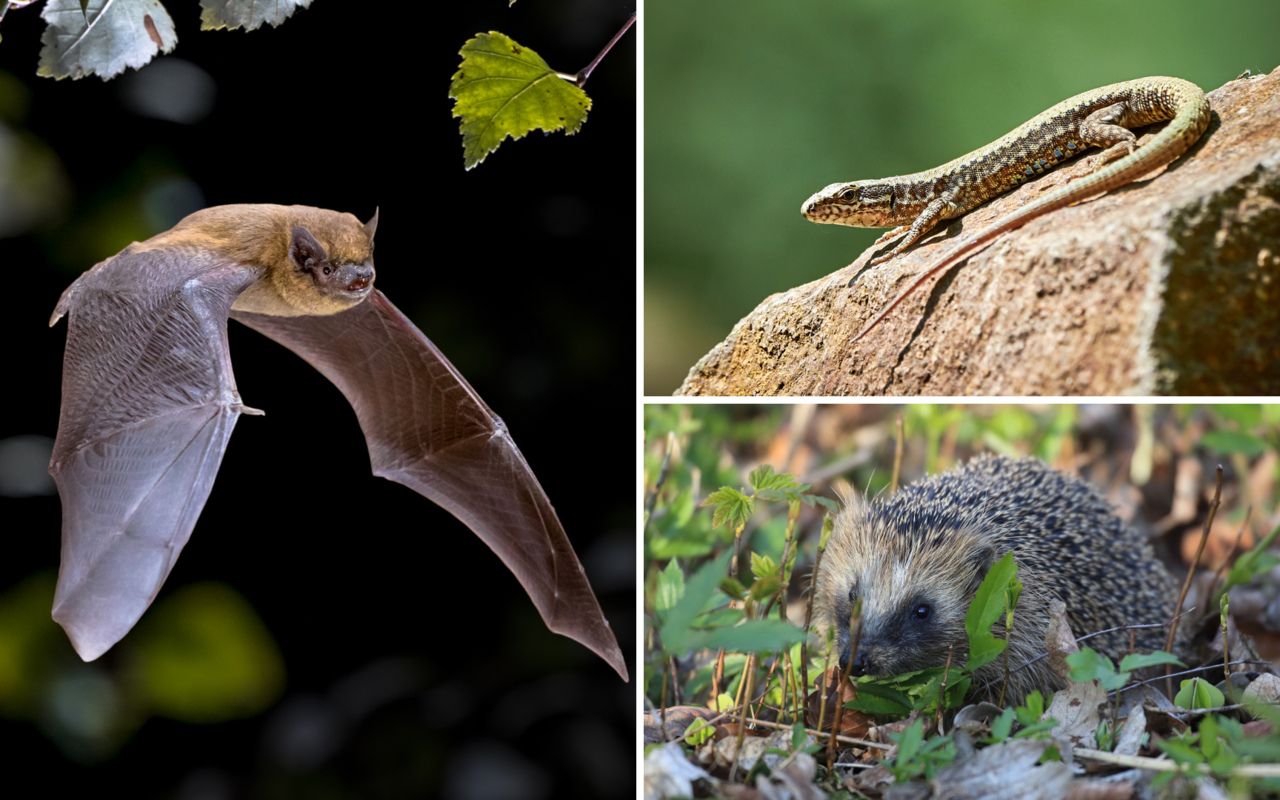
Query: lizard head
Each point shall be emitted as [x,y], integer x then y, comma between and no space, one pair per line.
[862,204]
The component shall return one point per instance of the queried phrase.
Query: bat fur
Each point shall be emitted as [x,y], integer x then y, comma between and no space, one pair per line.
[149,401]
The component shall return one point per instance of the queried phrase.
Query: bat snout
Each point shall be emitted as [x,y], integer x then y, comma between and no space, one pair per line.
[359,279]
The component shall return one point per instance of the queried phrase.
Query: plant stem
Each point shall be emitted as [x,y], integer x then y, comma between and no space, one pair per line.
[1186,585]
[581,78]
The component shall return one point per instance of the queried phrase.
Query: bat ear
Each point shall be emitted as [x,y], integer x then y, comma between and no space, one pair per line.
[372,225]
[304,250]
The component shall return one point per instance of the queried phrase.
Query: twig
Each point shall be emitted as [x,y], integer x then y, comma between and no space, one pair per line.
[823,536]
[820,734]
[1186,585]
[855,633]
[1201,668]
[652,500]
[897,454]
[580,79]
[1226,562]
[942,692]
[1165,765]
[1079,639]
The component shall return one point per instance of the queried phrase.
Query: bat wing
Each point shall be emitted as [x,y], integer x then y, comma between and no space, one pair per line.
[148,403]
[428,429]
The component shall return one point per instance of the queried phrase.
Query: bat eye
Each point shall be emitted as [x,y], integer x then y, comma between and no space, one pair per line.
[327,270]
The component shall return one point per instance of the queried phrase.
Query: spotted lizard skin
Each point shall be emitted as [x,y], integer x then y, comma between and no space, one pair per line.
[1100,118]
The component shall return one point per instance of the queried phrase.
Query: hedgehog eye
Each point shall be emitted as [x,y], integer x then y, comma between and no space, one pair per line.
[922,611]
[853,594]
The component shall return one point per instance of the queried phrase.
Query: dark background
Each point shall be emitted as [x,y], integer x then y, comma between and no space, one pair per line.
[365,586]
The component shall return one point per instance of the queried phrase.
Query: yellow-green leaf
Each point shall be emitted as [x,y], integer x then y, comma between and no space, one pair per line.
[202,654]
[504,89]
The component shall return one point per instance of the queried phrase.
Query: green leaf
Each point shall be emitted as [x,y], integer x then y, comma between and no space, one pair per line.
[798,735]
[763,477]
[765,587]
[732,587]
[1032,710]
[1228,442]
[699,732]
[1180,751]
[1002,725]
[203,655]
[1036,728]
[874,698]
[247,14]
[1139,660]
[752,636]
[988,603]
[105,40]
[1246,415]
[908,741]
[670,586]
[1252,563]
[697,591]
[1050,754]
[1198,693]
[731,507]
[983,649]
[504,89]
[763,566]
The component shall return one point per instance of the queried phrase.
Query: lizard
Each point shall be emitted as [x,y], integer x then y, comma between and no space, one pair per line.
[1100,118]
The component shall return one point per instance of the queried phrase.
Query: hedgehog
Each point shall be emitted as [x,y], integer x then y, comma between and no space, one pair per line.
[916,560]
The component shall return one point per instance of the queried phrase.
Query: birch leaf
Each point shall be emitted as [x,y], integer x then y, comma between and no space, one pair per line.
[247,14]
[104,38]
[504,89]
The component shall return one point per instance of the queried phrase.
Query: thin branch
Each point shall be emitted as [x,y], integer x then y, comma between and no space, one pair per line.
[581,78]
[1191,572]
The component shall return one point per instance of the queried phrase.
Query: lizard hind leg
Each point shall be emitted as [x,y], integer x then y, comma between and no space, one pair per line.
[1105,128]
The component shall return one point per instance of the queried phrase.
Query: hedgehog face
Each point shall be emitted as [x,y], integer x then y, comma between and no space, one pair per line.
[915,588]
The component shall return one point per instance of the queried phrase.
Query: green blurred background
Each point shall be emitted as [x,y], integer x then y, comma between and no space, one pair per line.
[750,107]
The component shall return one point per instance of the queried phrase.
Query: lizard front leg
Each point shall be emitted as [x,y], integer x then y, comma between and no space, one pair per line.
[895,232]
[922,225]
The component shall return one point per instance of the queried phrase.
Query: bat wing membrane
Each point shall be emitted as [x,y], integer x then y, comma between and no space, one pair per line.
[148,403]
[427,429]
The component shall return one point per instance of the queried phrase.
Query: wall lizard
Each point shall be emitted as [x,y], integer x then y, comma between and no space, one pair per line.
[1100,118]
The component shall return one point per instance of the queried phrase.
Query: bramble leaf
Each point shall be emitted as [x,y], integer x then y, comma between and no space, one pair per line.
[504,89]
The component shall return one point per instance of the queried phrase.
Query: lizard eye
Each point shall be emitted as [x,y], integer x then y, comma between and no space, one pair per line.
[849,194]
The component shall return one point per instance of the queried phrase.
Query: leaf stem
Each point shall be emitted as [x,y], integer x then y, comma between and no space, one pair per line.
[580,79]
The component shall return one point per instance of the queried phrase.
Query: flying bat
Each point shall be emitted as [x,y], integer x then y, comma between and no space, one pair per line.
[149,401]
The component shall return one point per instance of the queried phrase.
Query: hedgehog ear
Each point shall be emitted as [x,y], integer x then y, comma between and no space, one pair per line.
[980,561]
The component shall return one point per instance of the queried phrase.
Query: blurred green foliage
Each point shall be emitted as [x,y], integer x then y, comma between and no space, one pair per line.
[200,655]
[700,459]
[712,453]
[753,106]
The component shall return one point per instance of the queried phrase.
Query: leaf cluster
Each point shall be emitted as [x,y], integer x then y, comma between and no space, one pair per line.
[918,758]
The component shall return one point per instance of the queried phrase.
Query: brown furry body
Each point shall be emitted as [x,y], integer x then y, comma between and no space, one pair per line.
[916,559]
[259,235]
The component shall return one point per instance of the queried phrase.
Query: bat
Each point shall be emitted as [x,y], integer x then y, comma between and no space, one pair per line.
[149,401]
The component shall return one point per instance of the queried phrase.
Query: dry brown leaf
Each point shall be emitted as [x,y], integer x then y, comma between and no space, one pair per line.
[679,718]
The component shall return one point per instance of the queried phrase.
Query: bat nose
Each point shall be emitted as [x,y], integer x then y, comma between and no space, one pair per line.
[363,277]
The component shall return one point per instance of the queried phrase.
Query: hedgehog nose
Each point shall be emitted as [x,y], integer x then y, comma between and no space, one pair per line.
[861,664]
